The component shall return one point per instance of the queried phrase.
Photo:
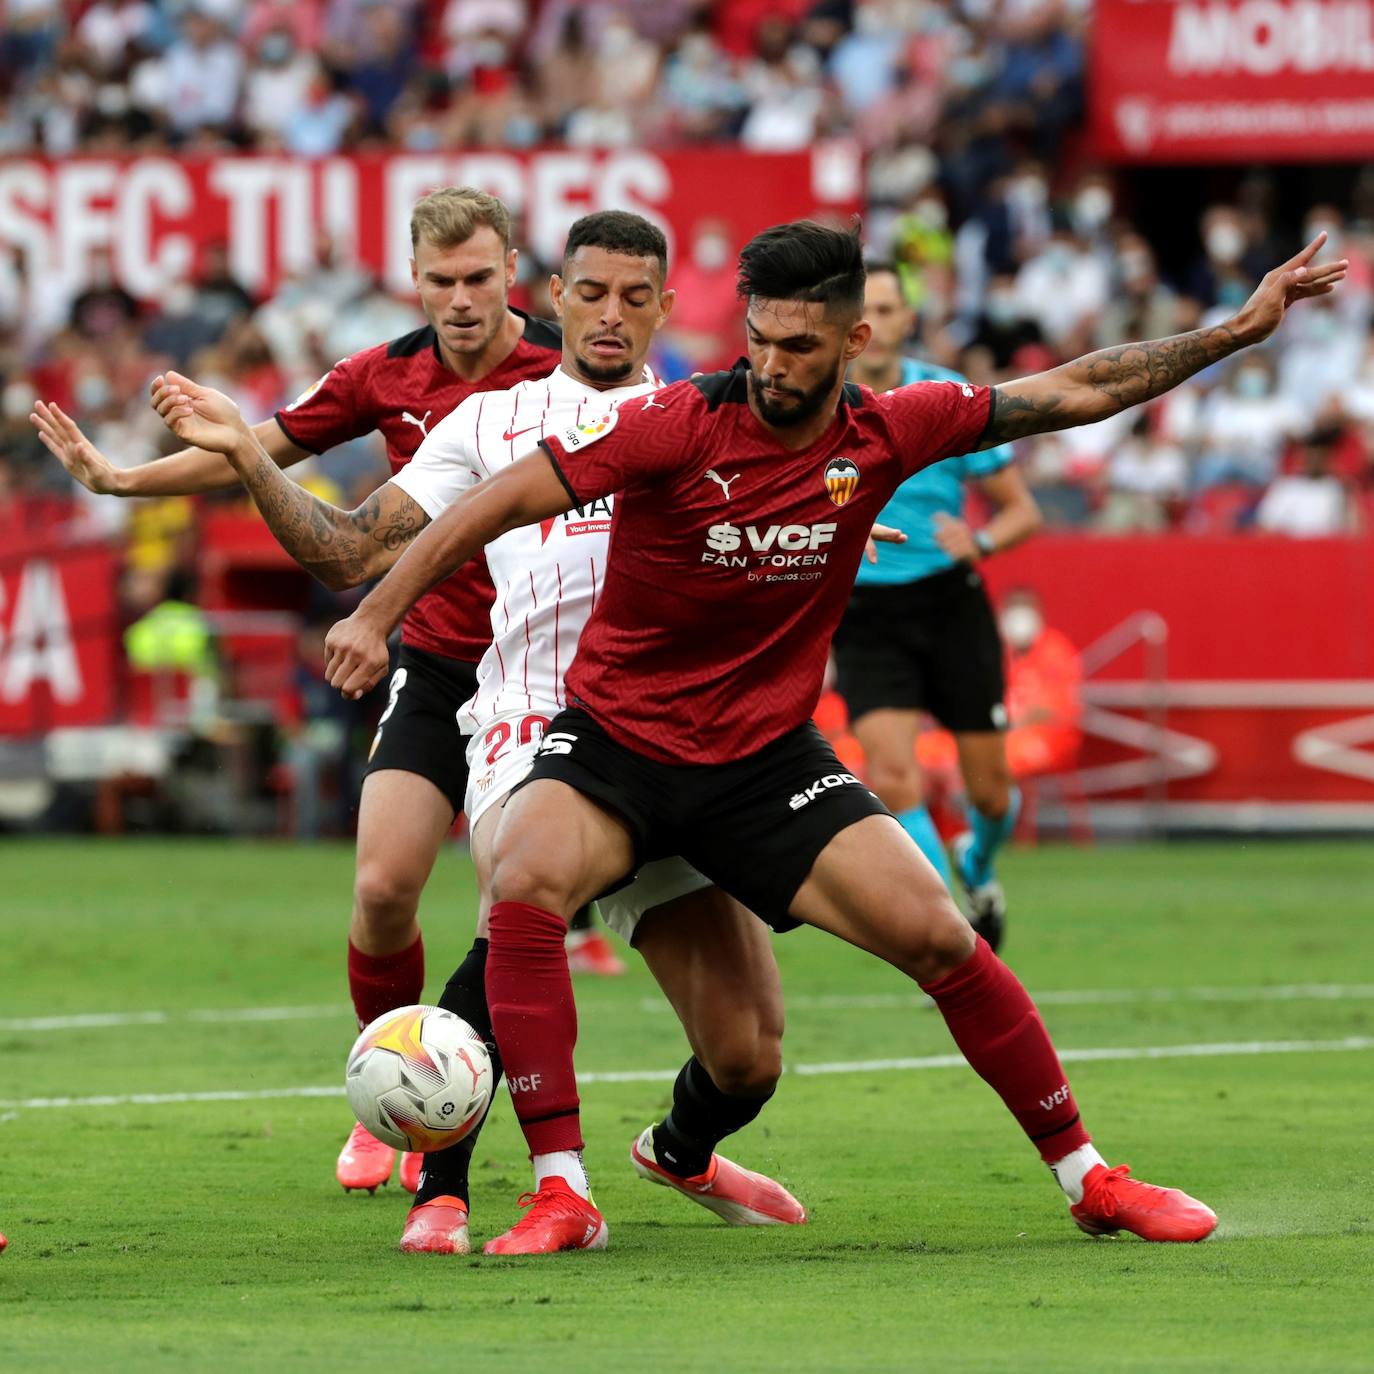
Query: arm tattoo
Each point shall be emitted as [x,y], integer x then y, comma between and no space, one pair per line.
[1102,384]
[340,548]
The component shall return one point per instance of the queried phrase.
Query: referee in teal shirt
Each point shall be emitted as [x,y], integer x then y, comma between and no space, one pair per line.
[920,635]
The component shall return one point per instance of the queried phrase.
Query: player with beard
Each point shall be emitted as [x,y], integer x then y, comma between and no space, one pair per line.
[463,268]
[712,958]
[745,498]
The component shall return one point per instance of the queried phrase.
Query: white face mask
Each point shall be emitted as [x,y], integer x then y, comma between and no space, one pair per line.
[1092,208]
[1225,243]
[710,252]
[1021,626]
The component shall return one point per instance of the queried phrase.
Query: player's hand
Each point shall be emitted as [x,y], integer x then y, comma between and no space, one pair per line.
[1296,280]
[355,656]
[64,440]
[955,537]
[881,534]
[198,415]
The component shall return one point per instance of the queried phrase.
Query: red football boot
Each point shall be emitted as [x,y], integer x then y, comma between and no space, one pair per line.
[412,1166]
[437,1227]
[364,1162]
[739,1196]
[1113,1201]
[557,1219]
[589,951]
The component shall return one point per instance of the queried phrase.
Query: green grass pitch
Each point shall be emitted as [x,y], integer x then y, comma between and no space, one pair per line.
[203,1236]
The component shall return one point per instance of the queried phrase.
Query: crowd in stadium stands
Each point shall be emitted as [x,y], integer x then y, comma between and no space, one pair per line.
[1015,255]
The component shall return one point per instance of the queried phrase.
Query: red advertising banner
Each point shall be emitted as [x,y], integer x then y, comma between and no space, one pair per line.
[1232,80]
[156,215]
[59,637]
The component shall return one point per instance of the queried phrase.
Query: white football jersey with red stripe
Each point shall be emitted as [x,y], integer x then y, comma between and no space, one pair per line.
[547,576]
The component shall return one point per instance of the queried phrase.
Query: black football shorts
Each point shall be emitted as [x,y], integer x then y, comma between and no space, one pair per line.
[754,827]
[418,731]
[930,645]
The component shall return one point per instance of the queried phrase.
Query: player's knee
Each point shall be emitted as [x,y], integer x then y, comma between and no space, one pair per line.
[897,782]
[385,895]
[748,1066]
[527,876]
[934,943]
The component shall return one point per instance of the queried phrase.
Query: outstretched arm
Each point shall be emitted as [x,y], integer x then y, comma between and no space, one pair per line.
[1101,384]
[186,473]
[522,494]
[340,548]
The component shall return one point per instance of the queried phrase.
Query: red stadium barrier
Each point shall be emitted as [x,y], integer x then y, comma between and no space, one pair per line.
[1262,715]
[59,634]
[157,214]
[1232,80]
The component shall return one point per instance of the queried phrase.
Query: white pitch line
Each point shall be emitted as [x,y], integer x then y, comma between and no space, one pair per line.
[1220,1049]
[1067,997]
[1079,997]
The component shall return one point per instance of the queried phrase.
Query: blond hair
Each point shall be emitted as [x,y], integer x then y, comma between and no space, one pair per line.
[452,214]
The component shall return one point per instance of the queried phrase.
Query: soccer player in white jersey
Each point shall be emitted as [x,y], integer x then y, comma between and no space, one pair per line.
[712,958]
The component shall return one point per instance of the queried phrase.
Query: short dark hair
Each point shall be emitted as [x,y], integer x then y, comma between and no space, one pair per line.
[619,231]
[804,261]
[875,267]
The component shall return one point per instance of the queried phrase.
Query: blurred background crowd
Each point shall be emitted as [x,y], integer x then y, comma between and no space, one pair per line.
[1015,253]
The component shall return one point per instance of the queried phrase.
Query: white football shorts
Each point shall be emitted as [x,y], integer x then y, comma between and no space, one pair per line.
[501,754]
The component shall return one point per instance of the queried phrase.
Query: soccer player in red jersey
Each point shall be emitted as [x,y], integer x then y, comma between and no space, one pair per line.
[746,498]
[463,269]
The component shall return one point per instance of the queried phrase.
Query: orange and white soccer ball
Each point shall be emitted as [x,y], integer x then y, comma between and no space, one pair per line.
[419,1078]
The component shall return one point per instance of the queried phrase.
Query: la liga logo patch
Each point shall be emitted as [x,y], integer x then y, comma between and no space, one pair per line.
[841,479]
[577,435]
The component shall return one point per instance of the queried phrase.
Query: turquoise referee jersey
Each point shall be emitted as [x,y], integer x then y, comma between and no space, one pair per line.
[915,504]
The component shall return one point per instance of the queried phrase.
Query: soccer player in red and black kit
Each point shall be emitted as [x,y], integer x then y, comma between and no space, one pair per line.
[746,499]
[463,269]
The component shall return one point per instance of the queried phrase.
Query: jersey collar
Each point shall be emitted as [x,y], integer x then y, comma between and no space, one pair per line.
[562,383]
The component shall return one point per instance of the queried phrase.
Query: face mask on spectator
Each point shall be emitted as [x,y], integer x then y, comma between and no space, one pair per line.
[1252,383]
[931,213]
[1021,626]
[1058,256]
[1092,208]
[1225,243]
[19,398]
[92,392]
[1332,231]
[1002,307]
[1031,192]
[1135,267]
[275,49]
[711,252]
[491,52]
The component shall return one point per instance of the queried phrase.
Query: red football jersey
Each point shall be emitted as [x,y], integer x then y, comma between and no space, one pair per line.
[731,558]
[403,389]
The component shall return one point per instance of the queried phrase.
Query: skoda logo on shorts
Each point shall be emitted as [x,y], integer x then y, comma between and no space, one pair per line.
[841,479]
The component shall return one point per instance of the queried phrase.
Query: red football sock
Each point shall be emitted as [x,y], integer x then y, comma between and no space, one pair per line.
[379,982]
[534,1019]
[995,1024]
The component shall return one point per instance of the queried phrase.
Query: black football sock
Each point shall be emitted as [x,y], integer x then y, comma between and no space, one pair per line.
[446,1171]
[583,919]
[702,1116]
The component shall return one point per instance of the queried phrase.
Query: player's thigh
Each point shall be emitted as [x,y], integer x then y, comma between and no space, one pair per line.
[872,887]
[983,763]
[403,819]
[714,960]
[558,849]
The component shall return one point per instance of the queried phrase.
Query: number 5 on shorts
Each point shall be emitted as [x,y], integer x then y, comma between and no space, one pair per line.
[558,743]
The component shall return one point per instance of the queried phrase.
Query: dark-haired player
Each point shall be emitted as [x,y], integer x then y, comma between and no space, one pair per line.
[919,634]
[746,499]
[463,269]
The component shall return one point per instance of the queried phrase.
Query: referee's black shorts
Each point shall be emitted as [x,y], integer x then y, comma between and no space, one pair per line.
[418,731]
[754,826]
[930,645]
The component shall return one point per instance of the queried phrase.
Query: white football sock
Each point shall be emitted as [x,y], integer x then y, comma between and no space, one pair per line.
[1073,1169]
[565,1164]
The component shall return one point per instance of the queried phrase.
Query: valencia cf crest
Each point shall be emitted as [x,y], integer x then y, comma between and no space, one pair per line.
[841,479]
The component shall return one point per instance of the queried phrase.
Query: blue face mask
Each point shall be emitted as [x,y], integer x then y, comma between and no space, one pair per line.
[1252,384]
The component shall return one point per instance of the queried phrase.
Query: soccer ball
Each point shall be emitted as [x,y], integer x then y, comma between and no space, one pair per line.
[419,1078]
